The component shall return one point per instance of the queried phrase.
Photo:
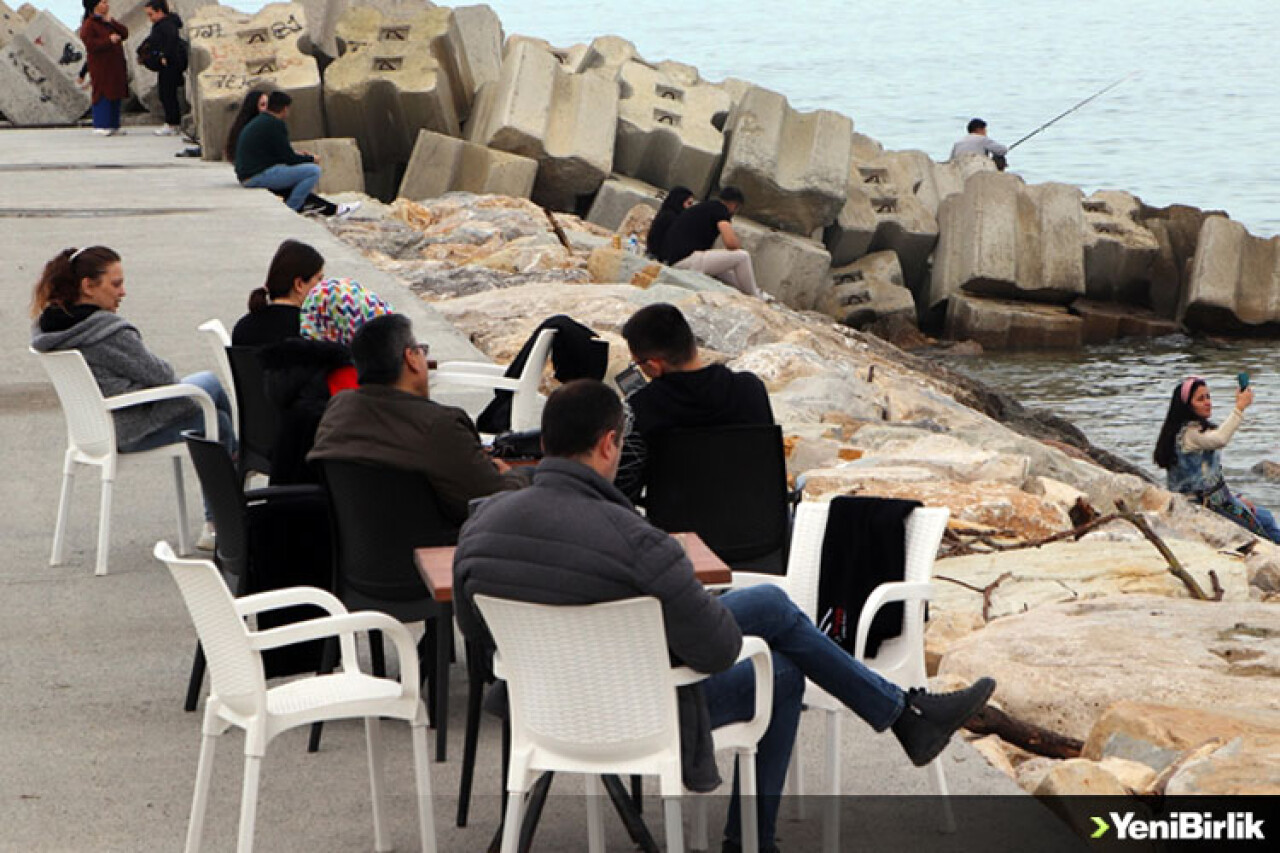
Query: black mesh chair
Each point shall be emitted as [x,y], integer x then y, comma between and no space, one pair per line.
[728,485]
[379,516]
[266,539]
[259,420]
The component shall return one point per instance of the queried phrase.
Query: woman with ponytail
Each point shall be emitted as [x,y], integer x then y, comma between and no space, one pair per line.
[274,308]
[75,305]
[1188,449]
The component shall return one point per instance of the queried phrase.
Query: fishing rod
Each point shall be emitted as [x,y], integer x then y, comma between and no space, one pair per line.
[1057,118]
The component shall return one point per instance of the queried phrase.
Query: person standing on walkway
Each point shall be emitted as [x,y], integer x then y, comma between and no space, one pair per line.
[103,38]
[265,158]
[165,53]
[977,142]
[688,241]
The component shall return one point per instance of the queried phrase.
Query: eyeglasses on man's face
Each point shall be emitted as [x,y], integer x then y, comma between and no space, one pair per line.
[422,348]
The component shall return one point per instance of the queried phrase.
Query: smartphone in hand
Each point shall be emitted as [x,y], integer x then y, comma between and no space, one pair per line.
[1243,378]
[630,380]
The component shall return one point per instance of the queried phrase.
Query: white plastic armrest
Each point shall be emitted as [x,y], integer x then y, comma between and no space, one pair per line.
[499,672]
[218,329]
[879,597]
[274,599]
[345,626]
[480,367]
[752,647]
[171,392]
[477,380]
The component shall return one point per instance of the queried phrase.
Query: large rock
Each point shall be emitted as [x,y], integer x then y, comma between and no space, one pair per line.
[398,74]
[1003,238]
[1092,567]
[442,164]
[1078,777]
[1118,249]
[1177,231]
[232,53]
[1062,665]
[669,133]
[868,290]
[34,89]
[1003,324]
[793,167]
[341,167]
[616,198]
[1235,279]
[791,268]
[567,122]
[1104,322]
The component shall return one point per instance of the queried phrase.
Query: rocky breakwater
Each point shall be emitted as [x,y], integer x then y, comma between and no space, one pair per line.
[1080,632]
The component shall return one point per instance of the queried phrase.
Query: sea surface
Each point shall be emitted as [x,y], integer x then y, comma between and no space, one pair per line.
[1195,121]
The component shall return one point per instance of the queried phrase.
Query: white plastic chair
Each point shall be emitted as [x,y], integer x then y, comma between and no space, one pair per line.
[91,440]
[900,659]
[218,340]
[239,696]
[592,691]
[526,402]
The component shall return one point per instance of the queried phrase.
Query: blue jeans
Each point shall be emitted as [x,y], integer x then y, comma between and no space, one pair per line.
[299,179]
[172,433]
[1268,522]
[106,114]
[800,650]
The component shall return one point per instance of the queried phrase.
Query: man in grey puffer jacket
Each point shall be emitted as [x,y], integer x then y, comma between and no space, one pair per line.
[120,363]
[573,538]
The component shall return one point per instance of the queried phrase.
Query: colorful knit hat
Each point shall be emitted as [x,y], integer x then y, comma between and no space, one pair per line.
[335,309]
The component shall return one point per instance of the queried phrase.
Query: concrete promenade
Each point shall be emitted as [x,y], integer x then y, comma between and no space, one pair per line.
[96,752]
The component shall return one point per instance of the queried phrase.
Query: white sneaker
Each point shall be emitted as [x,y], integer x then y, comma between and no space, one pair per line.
[102,131]
[208,538]
[345,210]
[167,130]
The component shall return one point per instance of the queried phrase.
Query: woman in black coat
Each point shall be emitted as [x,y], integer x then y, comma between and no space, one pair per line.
[165,53]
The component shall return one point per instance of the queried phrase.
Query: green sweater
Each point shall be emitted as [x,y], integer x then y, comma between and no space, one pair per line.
[264,143]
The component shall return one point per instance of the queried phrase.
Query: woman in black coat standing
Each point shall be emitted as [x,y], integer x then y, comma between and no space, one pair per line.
[165,53]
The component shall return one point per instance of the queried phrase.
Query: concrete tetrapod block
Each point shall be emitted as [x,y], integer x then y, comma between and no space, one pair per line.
[34,90]
[132,13]
[397,75]
[792,268]
[442,164]
[1177,231]
[320,39]
[1002,324]
[480,30]
[1107,321]
[867,290]
[1235,279]
[606,55]
[1001,237]
[232,53]
[793,167]
[1119,251]
[669,132]
[341,169]
[57,41]
[567,122]
[616,198]
[11,23]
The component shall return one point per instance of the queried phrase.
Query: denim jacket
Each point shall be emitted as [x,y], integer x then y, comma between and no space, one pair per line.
[1194,472]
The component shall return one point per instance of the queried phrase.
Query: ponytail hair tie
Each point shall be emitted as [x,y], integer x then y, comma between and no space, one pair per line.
[1187,385]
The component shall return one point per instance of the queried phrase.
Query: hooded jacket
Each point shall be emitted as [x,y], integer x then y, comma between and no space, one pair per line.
[711,396]
[119,361]
[572,538]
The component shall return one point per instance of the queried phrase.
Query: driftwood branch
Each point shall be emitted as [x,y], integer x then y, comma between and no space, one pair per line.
[986,591]
[555,226]
[993,721]
[1175,566]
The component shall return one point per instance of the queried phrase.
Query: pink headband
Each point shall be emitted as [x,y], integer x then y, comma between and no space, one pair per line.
[1187,385]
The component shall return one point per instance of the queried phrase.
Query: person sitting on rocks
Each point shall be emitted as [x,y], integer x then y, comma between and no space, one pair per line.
[1188,449]
[265,159]
[688,241]
[977,142]
[572,538]
[390,420]
[677,201]
[684,391]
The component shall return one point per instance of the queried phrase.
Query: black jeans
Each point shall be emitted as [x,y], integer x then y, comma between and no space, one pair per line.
[168,83]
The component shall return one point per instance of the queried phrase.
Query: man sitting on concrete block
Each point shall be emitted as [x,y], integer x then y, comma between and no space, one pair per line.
[977,142]
[266,160]
[690,237]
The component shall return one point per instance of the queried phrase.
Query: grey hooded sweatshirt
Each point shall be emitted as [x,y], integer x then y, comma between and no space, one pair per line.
[120,363]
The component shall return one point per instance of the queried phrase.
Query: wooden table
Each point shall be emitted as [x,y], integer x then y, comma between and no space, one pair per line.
[436,565]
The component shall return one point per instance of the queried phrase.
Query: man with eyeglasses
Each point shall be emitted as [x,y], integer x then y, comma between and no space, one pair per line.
[390,420]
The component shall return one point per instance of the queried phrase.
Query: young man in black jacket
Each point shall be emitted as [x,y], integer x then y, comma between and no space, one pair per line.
[572,538]
[165,52]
